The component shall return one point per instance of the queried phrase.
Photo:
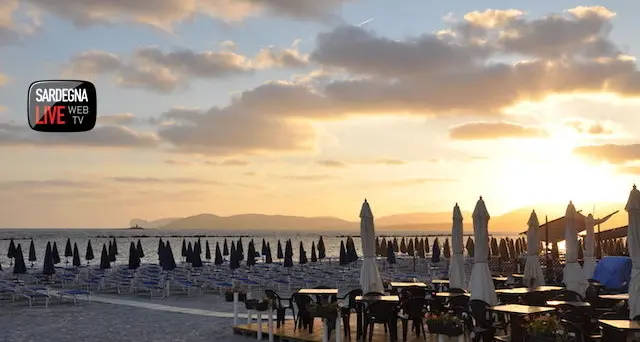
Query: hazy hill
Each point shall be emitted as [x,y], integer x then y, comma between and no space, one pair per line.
[511,222]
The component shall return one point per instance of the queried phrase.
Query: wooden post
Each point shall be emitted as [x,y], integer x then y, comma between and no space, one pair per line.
[235,308]
[270,323]
[259,326]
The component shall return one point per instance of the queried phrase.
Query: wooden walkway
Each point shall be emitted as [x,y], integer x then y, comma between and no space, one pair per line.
[286,333]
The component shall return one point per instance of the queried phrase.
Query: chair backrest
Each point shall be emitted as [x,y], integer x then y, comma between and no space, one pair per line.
[272,295]
[381,312]
[351,298]
[303,302]
[459,301]
[637,318]
[613,315]
[480,313]
[569,295]
[373,294]
[415,307]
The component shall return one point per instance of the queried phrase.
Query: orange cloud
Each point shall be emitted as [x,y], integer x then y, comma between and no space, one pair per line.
[494,130]
[612,153]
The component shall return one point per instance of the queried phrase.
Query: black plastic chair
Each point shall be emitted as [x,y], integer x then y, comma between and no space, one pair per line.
[457,290]
[570,296]
[414,310]
[352,306]
[322,298]
[281,310]
[482,324]
[381,312]
[304,319]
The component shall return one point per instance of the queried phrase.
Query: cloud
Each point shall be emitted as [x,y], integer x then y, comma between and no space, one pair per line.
[311,178]
[494,130]
[42,184]
[165,14]
[612,153]
[590,127]
[100,136]
[177,162]
[153,180]
[12,31]
[417,181]
[117,119]
[3,79]
[164,72]
[331,163]
[631,170]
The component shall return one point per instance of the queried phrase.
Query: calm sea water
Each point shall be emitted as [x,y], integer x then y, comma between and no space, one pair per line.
[124,237]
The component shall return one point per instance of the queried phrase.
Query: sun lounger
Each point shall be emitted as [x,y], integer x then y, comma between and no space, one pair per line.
[73,294]
[33,295]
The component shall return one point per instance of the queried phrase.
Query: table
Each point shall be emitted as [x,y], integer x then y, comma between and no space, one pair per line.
[516,314]
[319,292]
[518,277]
[500,279]
[406,284]
[393,326]
[564,302]
[451,294]
[621,296]
[440,283]
[615,327]
[524,290]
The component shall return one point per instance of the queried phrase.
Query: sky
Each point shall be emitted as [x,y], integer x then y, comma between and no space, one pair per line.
[306,107]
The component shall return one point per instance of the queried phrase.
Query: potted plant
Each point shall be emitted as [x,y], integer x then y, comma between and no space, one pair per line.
[445,324]
[257,304]
[545,329]
[228,295]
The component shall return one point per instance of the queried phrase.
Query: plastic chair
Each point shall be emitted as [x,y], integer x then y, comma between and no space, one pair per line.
[380,312]
[281,310]
[304,319]
[352,306]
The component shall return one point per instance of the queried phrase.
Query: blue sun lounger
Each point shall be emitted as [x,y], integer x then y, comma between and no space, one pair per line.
[73,294]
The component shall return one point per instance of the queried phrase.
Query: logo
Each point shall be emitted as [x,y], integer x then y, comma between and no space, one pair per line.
[62,106]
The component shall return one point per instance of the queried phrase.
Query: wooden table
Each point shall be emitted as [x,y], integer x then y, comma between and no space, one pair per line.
[452,294]
[516,314]
[319,292]
[615,330]
[524,290]
[500,279]
[621,296]
[400,284]
[393,326]
[564,302]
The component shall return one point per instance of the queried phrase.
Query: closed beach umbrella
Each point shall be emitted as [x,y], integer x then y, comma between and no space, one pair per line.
[403,246]
[322,252]
[48,268]
[104,258]
[133,256]
[161,254]
[234,263]
[504,251]
[32,253]
[55,254]
[139,249]
[197,257]
[533,275]
[89,253]
[303,255]
[68,250]
[288,254]
[446,249]
[470,246]
[343,254]
[369,276]
[225,248]
[410,248]
[218,258]
[279,254]
[115,246]
[314,257]
[19,266]
[573,277]
[240,250]
[251,254]
[512,249]
[456,267]
[160,246]
[435,251]
[263,249]
[171,261]
[426,245]
[391,254]
[481,284]
[112,252]
[352,255]
[189,256]
[199,247]
[555,252]
[11,253]
[495,250]
[184,252]
[207,251]
[395,245]
[589,265]
[633,244]
[268,258]
[76,256]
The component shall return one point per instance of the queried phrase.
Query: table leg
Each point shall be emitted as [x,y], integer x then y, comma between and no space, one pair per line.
[516,323]
[393,329]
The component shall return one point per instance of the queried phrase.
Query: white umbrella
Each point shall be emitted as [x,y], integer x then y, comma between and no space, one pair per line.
[532,271]
[456,267]
[589,265]
[369,276]
[633,242]
[574,278]
[481,284]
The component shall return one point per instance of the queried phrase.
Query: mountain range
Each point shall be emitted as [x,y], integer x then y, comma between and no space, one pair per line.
[514,221]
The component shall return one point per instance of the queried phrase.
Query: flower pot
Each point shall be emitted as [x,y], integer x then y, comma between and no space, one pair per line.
[444,329]
[251,304]
[228,296]
[242,296]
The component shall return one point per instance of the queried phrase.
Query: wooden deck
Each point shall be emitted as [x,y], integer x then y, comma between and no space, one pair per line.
[286,333]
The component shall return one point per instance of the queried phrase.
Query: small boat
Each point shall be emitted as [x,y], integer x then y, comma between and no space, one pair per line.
[136,227]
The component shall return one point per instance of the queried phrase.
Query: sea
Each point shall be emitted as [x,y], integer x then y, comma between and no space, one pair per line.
[149,241]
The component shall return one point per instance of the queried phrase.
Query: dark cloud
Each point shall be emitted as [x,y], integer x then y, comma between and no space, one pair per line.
[612,153]
[494,130]
[166,13]
[44,184]
[593,128]
[100,136]
[310,178]
[153,180]
[331,163]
